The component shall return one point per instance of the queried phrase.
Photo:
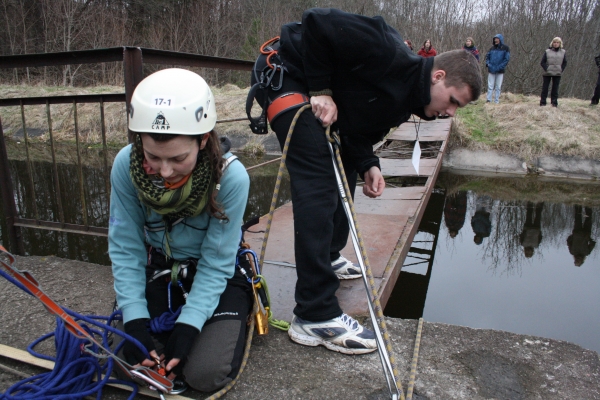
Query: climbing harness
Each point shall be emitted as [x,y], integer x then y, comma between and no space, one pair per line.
[268,74]
[25,281]
[384,347]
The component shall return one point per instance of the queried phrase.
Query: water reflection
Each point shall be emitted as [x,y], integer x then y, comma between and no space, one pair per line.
[526,263]
[95,201]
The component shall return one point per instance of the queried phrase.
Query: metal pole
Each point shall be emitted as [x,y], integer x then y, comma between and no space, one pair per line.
[132,69]
[8,199]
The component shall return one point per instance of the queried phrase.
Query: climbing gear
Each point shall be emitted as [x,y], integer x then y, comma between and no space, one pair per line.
[345,269]
[173,101]
[26,282]
[268,73]
[285,102]
[264,315]
[343,334]
[383,341]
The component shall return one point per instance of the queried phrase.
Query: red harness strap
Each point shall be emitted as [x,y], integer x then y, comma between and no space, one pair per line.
[285,102]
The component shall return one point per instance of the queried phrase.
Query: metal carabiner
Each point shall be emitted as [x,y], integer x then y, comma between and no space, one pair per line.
[280,68]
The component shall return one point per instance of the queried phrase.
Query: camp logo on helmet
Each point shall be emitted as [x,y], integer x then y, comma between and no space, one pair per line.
[160,123]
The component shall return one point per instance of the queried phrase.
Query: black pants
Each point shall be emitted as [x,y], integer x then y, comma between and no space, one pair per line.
[216,355]
[320,224]
[553,93]
[596,96]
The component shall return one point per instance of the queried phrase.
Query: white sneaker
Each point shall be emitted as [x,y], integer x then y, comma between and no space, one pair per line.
[343,334]
[345,269]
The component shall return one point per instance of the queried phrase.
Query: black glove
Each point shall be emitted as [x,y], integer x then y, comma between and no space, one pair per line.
[137,328]
[179,345]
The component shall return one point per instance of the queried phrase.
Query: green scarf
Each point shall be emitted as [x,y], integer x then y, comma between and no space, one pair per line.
[188,200]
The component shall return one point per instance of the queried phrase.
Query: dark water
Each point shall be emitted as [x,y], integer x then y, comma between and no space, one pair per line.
[448,277]
[536,269]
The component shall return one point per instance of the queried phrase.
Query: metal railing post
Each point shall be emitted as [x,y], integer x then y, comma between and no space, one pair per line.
[132,68]
[8,200]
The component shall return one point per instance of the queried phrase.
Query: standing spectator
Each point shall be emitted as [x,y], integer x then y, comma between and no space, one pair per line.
[427,50]
[496,61]
[470,47]
[554,62]
[596,96]
[409,44]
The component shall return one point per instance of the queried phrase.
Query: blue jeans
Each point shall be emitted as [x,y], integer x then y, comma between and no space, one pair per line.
[494,85]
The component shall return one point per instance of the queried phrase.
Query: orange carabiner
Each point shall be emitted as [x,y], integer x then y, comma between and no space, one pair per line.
[269,53]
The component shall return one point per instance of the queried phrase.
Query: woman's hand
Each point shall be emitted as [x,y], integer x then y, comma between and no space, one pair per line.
[178,347]
[324,109]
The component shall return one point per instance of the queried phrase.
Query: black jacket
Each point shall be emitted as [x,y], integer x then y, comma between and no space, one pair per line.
[377,82]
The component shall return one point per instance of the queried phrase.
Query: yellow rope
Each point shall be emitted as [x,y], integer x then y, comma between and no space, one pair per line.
[413,365]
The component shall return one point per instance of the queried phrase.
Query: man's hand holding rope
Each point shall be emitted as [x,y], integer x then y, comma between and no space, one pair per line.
[324,109]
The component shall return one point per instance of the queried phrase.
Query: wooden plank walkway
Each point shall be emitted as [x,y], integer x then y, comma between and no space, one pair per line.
[388,223]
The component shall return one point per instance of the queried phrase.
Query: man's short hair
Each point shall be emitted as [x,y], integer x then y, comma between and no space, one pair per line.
[462,68]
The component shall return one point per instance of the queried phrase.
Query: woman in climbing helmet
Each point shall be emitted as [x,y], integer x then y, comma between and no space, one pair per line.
[176,211]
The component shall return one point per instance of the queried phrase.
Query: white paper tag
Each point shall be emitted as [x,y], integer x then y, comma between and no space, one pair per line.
[416,156]
[162,101]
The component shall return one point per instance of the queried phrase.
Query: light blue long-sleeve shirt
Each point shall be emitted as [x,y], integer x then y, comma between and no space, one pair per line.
[212,241]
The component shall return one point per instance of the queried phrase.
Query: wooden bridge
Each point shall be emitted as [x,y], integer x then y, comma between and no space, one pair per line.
[388,224]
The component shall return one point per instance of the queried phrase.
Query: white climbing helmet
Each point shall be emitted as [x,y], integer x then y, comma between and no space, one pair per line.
[174,101]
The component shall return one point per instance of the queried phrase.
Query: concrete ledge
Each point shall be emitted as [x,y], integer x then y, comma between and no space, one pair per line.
[493,161]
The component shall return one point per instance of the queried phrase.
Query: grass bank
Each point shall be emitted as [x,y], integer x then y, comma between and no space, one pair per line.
[519,126]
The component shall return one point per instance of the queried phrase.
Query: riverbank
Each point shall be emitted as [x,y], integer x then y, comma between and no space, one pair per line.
[454,362]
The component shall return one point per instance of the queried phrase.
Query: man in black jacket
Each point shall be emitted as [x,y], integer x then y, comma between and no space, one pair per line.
[362,79]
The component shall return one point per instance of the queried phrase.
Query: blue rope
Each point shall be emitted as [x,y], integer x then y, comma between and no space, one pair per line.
[73,373]
[164,323]
[74,368]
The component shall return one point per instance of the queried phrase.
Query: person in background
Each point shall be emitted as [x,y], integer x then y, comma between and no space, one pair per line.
[176,209]
[596,95]
[427,50]
[496,60]
[470,47]
[554,62]
[409,44]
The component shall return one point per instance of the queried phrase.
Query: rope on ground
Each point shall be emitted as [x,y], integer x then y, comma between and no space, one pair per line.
[413,365]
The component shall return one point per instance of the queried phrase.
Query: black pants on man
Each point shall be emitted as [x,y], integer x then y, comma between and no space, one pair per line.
[553,93]
[320,224]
